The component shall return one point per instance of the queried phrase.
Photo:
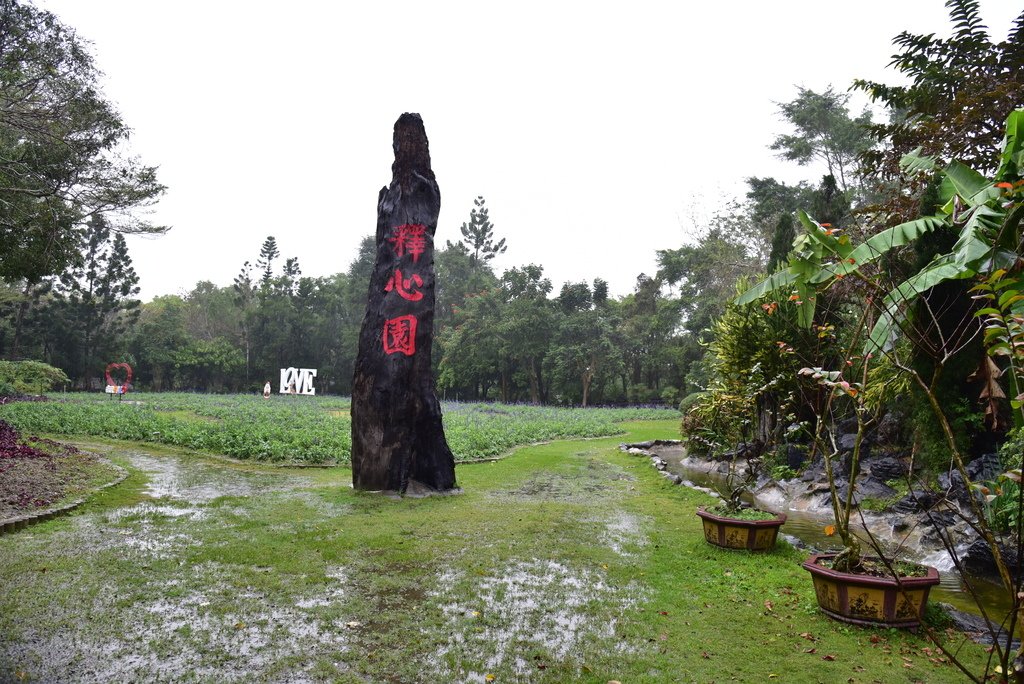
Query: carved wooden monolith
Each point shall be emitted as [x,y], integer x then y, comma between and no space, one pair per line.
[398,441]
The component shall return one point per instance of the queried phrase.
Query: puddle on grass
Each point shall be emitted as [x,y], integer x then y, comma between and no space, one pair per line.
[195,623]
[204,630]
[529,607]
[625,532]
[202,481]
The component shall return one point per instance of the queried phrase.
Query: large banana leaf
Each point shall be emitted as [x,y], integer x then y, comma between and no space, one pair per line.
[778,280]
[975,243]
[805,305]
[895,304]
[1012,160]
[972,187]
[877,245]
[915,161]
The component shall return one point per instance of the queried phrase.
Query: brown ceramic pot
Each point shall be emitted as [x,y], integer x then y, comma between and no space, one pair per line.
[730,533]
[869,600]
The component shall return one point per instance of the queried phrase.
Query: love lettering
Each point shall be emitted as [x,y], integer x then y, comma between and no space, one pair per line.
[399,334]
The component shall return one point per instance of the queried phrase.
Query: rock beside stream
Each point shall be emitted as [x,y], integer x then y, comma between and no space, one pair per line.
[976,627]
[978,559]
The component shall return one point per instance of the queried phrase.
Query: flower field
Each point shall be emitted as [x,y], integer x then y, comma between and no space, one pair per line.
[299,429]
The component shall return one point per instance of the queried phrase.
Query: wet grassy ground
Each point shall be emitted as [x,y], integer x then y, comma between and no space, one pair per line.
[565,562]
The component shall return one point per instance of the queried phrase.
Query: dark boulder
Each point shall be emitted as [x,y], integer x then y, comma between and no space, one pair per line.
[985,468]
[889,430]
[398,440]
[886,468]
[796,456]
[846,441]
[847,426]
[976,627]
[867,488]
[916,501]
[978,559]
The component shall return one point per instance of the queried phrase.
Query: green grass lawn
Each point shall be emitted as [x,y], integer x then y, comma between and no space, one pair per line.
[568,561]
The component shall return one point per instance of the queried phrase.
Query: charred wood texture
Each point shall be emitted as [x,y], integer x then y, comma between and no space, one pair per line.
[398,442]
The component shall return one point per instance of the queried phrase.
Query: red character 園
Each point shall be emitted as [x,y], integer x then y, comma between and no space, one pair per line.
[400,335]
[403,286]
[410,238]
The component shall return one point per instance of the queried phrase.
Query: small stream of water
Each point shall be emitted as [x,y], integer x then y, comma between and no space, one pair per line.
[806,529]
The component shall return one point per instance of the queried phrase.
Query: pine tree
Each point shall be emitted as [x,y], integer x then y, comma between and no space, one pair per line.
[478,235]
[95,303]
[268,252]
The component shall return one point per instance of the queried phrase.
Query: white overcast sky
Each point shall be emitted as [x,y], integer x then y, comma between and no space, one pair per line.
[598,132]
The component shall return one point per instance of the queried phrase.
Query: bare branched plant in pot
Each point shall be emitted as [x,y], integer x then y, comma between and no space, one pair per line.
[728,423]
[733,523]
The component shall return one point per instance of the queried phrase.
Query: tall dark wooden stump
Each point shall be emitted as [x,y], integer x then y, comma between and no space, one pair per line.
[398,441]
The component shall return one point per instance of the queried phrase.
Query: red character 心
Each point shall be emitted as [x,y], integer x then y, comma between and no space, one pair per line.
[402,286]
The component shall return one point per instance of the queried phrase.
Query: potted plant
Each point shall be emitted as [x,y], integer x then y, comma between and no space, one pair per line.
[849,585]
[733,524]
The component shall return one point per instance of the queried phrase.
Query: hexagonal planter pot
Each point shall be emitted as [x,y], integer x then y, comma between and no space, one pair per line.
[731,533]
[863,599]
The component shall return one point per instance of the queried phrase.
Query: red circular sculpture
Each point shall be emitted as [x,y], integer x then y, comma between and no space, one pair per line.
[127,370]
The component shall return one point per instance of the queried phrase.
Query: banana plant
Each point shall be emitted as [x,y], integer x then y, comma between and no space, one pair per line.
[987,213]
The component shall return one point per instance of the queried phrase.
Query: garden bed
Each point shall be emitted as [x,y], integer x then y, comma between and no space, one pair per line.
[38,475]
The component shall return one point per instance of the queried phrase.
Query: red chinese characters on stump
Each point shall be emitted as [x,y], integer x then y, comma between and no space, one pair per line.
[409,238]
[400,335]
[403,286]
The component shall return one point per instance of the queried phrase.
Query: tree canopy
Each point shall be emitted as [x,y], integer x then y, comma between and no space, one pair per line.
[61,149]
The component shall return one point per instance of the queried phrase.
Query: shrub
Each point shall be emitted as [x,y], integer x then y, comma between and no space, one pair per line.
[29,377]
[689,400]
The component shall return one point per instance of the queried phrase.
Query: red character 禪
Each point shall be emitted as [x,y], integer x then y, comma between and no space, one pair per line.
[402,286]
[410,238]
[400,335]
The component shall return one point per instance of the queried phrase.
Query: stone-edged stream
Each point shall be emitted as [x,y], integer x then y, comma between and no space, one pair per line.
[807,518]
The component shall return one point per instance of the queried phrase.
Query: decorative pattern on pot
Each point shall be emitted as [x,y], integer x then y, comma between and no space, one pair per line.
[730,533]
[863,599]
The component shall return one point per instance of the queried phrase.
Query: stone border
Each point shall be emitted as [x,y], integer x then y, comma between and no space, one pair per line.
[643,449]
[22,521]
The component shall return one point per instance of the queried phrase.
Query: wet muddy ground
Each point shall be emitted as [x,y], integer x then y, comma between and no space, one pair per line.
[204,570]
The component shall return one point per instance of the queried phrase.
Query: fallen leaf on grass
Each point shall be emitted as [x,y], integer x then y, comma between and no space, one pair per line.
[810,650]
[239,625]
[705,655]
[828,657]
[769,606]
[808,636]
[352,624]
